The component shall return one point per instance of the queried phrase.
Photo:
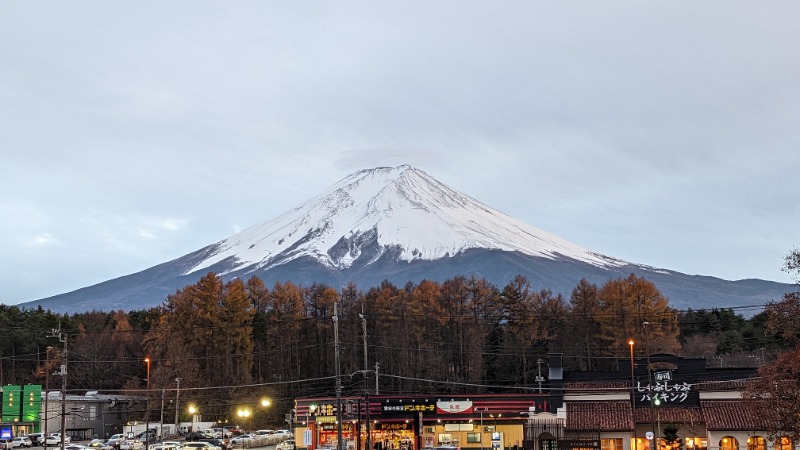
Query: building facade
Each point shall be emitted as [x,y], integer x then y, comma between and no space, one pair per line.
[27,409]
[662,402]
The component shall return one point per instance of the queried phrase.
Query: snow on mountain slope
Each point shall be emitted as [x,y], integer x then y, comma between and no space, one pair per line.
[401,210]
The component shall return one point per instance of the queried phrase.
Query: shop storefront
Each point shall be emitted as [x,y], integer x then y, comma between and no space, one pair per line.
[663,402]
[419,422]
[21,407]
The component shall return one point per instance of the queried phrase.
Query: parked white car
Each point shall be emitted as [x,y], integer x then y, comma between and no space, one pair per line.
[199,445]
[285,445]
[74,447]
[163,446]
[131,444]
[55,439]
[167,445]
[21,442]
[99,444]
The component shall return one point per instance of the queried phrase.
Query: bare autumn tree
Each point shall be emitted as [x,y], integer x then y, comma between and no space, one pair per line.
[791,264]
[100,358]
[554,320]
[258,296]
[481,293]
[284,316]
[777,393]
[583,317]
[424,320]
[384,304]
[783,318]
[455,298]
[319,300]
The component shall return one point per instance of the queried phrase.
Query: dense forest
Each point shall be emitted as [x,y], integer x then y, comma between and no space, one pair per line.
[231,341]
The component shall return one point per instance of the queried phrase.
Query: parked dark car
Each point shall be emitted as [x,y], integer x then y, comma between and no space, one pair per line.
[218,442]
[195,436]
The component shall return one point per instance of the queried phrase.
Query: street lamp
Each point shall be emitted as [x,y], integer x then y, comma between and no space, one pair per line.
[265,403]
[650,386]
[631,343]
[312,408]
[147,408]
[194,411]
[244,414]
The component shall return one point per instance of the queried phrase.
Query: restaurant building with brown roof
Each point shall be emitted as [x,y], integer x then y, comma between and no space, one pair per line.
[679,403]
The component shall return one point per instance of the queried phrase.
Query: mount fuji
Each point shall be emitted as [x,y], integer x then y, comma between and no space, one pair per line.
[400,224]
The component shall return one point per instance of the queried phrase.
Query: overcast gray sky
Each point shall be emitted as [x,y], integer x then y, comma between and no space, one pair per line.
[132,133]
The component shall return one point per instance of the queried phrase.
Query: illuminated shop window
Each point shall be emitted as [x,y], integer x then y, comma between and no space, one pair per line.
[756,443]
[728,443]
[611,444]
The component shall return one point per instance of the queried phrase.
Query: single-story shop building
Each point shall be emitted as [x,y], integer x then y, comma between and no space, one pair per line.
[680,403]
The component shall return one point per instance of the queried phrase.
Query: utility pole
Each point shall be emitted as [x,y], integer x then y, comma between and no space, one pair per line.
[161,423]
[177,403]
[377,366]
[539,377]
[46,395]
[338,379]
[56,333]
[147,408]
[367,445]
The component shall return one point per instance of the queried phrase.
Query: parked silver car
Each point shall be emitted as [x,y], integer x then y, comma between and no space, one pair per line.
[21,442]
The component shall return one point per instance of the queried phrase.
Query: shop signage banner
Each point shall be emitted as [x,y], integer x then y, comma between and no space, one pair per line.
[454,407]
[394,426]
[397,407]
[12,403]
[667,392]
[565,444]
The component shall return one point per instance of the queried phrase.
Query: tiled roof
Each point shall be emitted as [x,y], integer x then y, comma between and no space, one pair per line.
[741,415]
[612,384]
[606,416]
[671,415]
[721,385]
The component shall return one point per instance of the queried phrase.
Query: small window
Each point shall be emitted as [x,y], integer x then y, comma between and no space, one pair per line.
[611,444]
[756,443]
[728,443]
[473,437]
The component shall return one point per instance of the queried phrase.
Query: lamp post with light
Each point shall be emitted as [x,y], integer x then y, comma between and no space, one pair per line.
[194,411]
[650,386]
[244,414]
[631,343]
[265,403]
[312,408]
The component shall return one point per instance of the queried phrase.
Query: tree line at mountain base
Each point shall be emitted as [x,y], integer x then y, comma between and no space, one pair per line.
[238,340]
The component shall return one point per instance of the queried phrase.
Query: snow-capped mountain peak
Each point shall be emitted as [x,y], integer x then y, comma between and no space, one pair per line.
[398,212]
